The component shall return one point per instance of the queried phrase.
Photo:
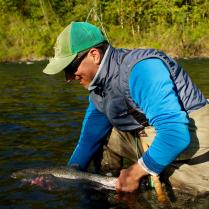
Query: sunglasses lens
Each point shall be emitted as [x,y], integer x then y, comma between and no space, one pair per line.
[69,76]
[72,68]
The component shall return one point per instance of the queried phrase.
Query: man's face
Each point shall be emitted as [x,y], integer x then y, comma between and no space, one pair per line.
[87,69]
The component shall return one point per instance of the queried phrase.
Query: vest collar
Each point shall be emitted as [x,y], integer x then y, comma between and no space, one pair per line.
[100,77]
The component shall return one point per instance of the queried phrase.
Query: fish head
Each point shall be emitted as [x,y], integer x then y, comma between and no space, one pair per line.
[22,174]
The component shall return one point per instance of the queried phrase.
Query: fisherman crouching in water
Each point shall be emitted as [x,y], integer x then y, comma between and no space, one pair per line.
[142,107]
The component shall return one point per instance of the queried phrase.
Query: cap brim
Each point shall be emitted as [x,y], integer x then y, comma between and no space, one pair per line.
[56,65]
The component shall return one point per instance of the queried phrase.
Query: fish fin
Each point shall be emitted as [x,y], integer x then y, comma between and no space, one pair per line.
[75,166]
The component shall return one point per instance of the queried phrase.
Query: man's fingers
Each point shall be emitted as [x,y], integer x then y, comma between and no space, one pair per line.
[117,186]
[120,181]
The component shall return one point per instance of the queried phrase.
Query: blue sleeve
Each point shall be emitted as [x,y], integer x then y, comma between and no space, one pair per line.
[153,90]
[94,128]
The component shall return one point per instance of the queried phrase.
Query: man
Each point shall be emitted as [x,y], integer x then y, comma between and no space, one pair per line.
[142,107]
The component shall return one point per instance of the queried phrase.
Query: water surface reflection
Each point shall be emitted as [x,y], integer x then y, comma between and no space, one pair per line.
[40,120]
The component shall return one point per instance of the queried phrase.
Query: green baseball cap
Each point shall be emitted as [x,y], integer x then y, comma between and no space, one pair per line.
[75,38]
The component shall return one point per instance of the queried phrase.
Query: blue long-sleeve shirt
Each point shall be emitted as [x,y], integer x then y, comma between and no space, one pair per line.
[94,128]
[153,90]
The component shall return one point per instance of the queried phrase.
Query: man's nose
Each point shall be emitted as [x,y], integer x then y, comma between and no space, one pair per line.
[76,75]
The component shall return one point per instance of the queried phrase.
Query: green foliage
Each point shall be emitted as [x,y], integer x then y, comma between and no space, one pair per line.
[28,28]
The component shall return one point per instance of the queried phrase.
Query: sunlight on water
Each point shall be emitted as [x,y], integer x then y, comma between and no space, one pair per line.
[40,120]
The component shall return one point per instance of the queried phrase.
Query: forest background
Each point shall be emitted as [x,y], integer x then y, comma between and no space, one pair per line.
[28,28]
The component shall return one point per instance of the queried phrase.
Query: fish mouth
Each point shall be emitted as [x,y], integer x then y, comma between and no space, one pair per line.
[13,175]
[17,175]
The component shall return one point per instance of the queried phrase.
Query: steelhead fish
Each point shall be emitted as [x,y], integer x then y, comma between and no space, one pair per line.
[70,173]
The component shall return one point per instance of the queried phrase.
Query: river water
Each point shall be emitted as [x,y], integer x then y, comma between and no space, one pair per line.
[40,120]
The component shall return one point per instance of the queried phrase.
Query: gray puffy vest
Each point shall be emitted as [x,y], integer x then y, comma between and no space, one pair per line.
[111,94]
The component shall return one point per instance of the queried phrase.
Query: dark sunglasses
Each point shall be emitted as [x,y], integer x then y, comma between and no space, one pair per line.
[72,68]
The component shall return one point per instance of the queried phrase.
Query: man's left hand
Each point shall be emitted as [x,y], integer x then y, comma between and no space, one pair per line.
[129,178]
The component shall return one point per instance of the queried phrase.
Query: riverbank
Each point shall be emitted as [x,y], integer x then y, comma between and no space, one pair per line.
[28,29]
[25,49]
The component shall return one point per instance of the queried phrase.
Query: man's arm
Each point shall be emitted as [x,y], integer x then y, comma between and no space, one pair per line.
[153,90]
[94,129]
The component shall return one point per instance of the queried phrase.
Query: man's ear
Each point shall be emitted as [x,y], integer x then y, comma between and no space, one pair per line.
[96,55]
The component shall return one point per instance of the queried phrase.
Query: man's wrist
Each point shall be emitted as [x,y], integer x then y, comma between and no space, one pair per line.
[145,168]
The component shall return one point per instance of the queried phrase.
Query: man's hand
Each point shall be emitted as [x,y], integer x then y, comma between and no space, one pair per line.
[129,178]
